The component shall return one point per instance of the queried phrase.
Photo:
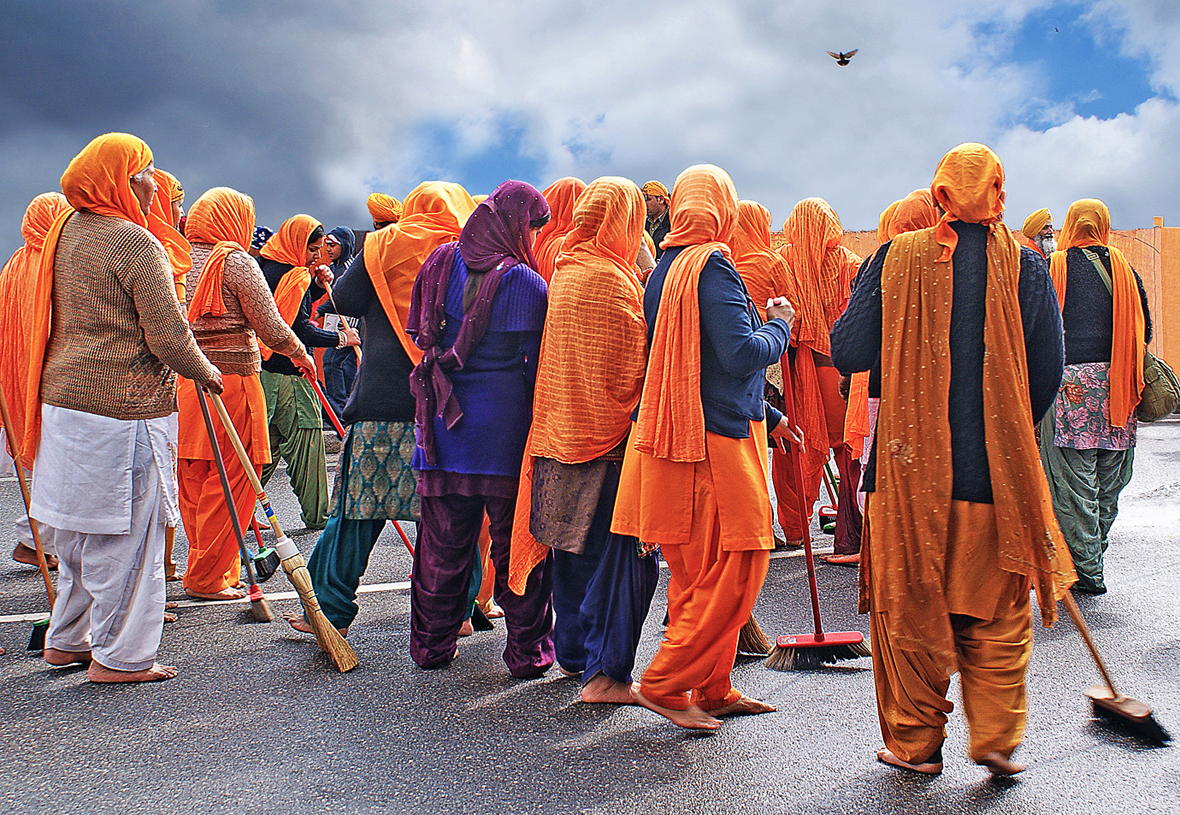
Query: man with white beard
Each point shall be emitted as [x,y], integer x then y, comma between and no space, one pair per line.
[1038,230]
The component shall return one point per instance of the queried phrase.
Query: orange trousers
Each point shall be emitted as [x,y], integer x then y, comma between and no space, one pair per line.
[214,563]
[992,655]
[781,472]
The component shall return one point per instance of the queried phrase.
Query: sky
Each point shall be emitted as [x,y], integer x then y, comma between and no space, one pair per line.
[309,106]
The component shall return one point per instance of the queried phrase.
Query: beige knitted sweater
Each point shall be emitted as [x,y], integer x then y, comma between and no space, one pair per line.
[230,341]
[117,332]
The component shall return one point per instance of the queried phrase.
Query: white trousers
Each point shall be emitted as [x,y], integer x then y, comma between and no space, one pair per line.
[110,588]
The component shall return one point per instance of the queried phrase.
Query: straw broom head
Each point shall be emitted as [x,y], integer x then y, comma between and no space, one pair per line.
[326,634]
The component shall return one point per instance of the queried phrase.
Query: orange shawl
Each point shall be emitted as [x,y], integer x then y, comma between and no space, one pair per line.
[593,352]
[1088,224]
[289,245]
[762,269]
[883,221]
[671,422]
[160,223]
[903,567]
[561,196]
[433,214]
[98,179]
[18,282]
[915,211]
[224,218]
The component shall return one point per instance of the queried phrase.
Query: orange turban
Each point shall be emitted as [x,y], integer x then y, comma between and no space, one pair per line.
[655,189]
[18,283]
[915,211]
[1087,223]
[289,245]
[883,222]
[561,196]
[385,209]
[434,214]
[160,223]
[98,179]
[969,186]
[224,218]
[1034,223]
[762,269]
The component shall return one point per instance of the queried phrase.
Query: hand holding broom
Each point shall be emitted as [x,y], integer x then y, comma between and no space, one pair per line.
[293,564]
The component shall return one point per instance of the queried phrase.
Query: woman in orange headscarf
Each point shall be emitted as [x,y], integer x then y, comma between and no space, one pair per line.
[561,196]
[960,525]
[164,222]
[821,280]
[17,284]
[589,379]
[229,308]
[695,475]
[1088,439]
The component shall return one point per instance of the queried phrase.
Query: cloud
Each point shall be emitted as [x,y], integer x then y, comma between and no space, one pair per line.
[307,106]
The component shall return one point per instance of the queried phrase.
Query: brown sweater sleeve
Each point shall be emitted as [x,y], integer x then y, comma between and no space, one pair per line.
[244,279]
[149,282]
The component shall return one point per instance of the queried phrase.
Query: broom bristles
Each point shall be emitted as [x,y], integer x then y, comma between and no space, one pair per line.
[326,634]
[261,610]
[800,658]
[752,640]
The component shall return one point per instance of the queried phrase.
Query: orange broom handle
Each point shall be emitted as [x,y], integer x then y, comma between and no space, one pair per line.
[24,493]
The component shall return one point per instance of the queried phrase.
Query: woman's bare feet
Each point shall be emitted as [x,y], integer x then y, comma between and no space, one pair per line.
[1000,765]
[745,706]
[169,617]
[229,593]
[296,621]
[104,675]
[62,658]
[466,629]
[887,756]
[23,553]
[601,689]
[691,718]
[493,611]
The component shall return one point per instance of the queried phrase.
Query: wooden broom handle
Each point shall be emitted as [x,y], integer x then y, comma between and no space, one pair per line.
[236,441]
[1079,622]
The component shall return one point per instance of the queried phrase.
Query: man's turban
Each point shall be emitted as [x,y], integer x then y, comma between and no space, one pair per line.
[1034,223]
[385,209]
[656,189]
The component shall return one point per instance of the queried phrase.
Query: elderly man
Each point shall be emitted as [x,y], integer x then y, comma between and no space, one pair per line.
[656,198]
[106,334]
[384,209]
[959,516]
[1038,233]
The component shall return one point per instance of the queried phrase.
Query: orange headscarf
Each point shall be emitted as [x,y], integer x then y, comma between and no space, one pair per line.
[903,568]
[883,221]
[433,214]
[224,218]
[18,282]
[1088,224]
[168,189]
[703,216]
[561,196]
[289,245]
[385,209]
[915,211]
[98,180]
[969,186]
[821,271]
[762,269]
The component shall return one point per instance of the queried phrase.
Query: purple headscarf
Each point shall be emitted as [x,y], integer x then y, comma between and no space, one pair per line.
[495,239]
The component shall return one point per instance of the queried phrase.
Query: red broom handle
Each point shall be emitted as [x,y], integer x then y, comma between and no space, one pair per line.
[794,454]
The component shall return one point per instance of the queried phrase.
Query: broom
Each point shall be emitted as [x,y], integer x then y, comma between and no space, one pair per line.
[259,605]
[806,651]
[266,562]
[41,627]
[292,562]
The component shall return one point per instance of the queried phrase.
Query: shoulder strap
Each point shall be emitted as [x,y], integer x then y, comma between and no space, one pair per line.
[1102,273]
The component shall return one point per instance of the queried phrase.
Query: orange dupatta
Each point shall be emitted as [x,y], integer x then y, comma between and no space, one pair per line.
[289,245]
[98,180]
[224,218]
[433,214]
[902,568]
[1088,224]
[593,351]
[159,218]
[561,196]
[762,269]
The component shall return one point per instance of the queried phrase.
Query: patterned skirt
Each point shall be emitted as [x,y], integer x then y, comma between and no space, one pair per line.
[375,479]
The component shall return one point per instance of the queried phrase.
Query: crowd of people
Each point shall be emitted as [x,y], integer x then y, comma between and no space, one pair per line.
[558,388]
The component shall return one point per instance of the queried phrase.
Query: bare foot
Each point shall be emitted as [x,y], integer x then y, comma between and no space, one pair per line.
[23,553]
[794,543]
[745,706]
[691,718]
[104,675]
[171,604]
[169,617]
[886,756]
[604,690]
[842,560]
[173,578]
[467,629]
[493,611]
[297,622]
[63,658]
[229,593]
[1000,765]
[568,674]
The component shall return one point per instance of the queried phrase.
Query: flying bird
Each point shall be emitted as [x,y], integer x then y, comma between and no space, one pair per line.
[843,58]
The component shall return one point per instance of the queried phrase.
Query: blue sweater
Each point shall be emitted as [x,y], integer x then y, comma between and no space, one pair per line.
[736,346]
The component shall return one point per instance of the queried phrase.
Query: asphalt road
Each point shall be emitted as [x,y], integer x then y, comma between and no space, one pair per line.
[258,721]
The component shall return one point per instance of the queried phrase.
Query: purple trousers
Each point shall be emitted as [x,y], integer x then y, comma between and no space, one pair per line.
[442,576]
[848,515]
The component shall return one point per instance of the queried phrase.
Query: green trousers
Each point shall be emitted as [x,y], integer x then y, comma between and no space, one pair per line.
[296,435]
